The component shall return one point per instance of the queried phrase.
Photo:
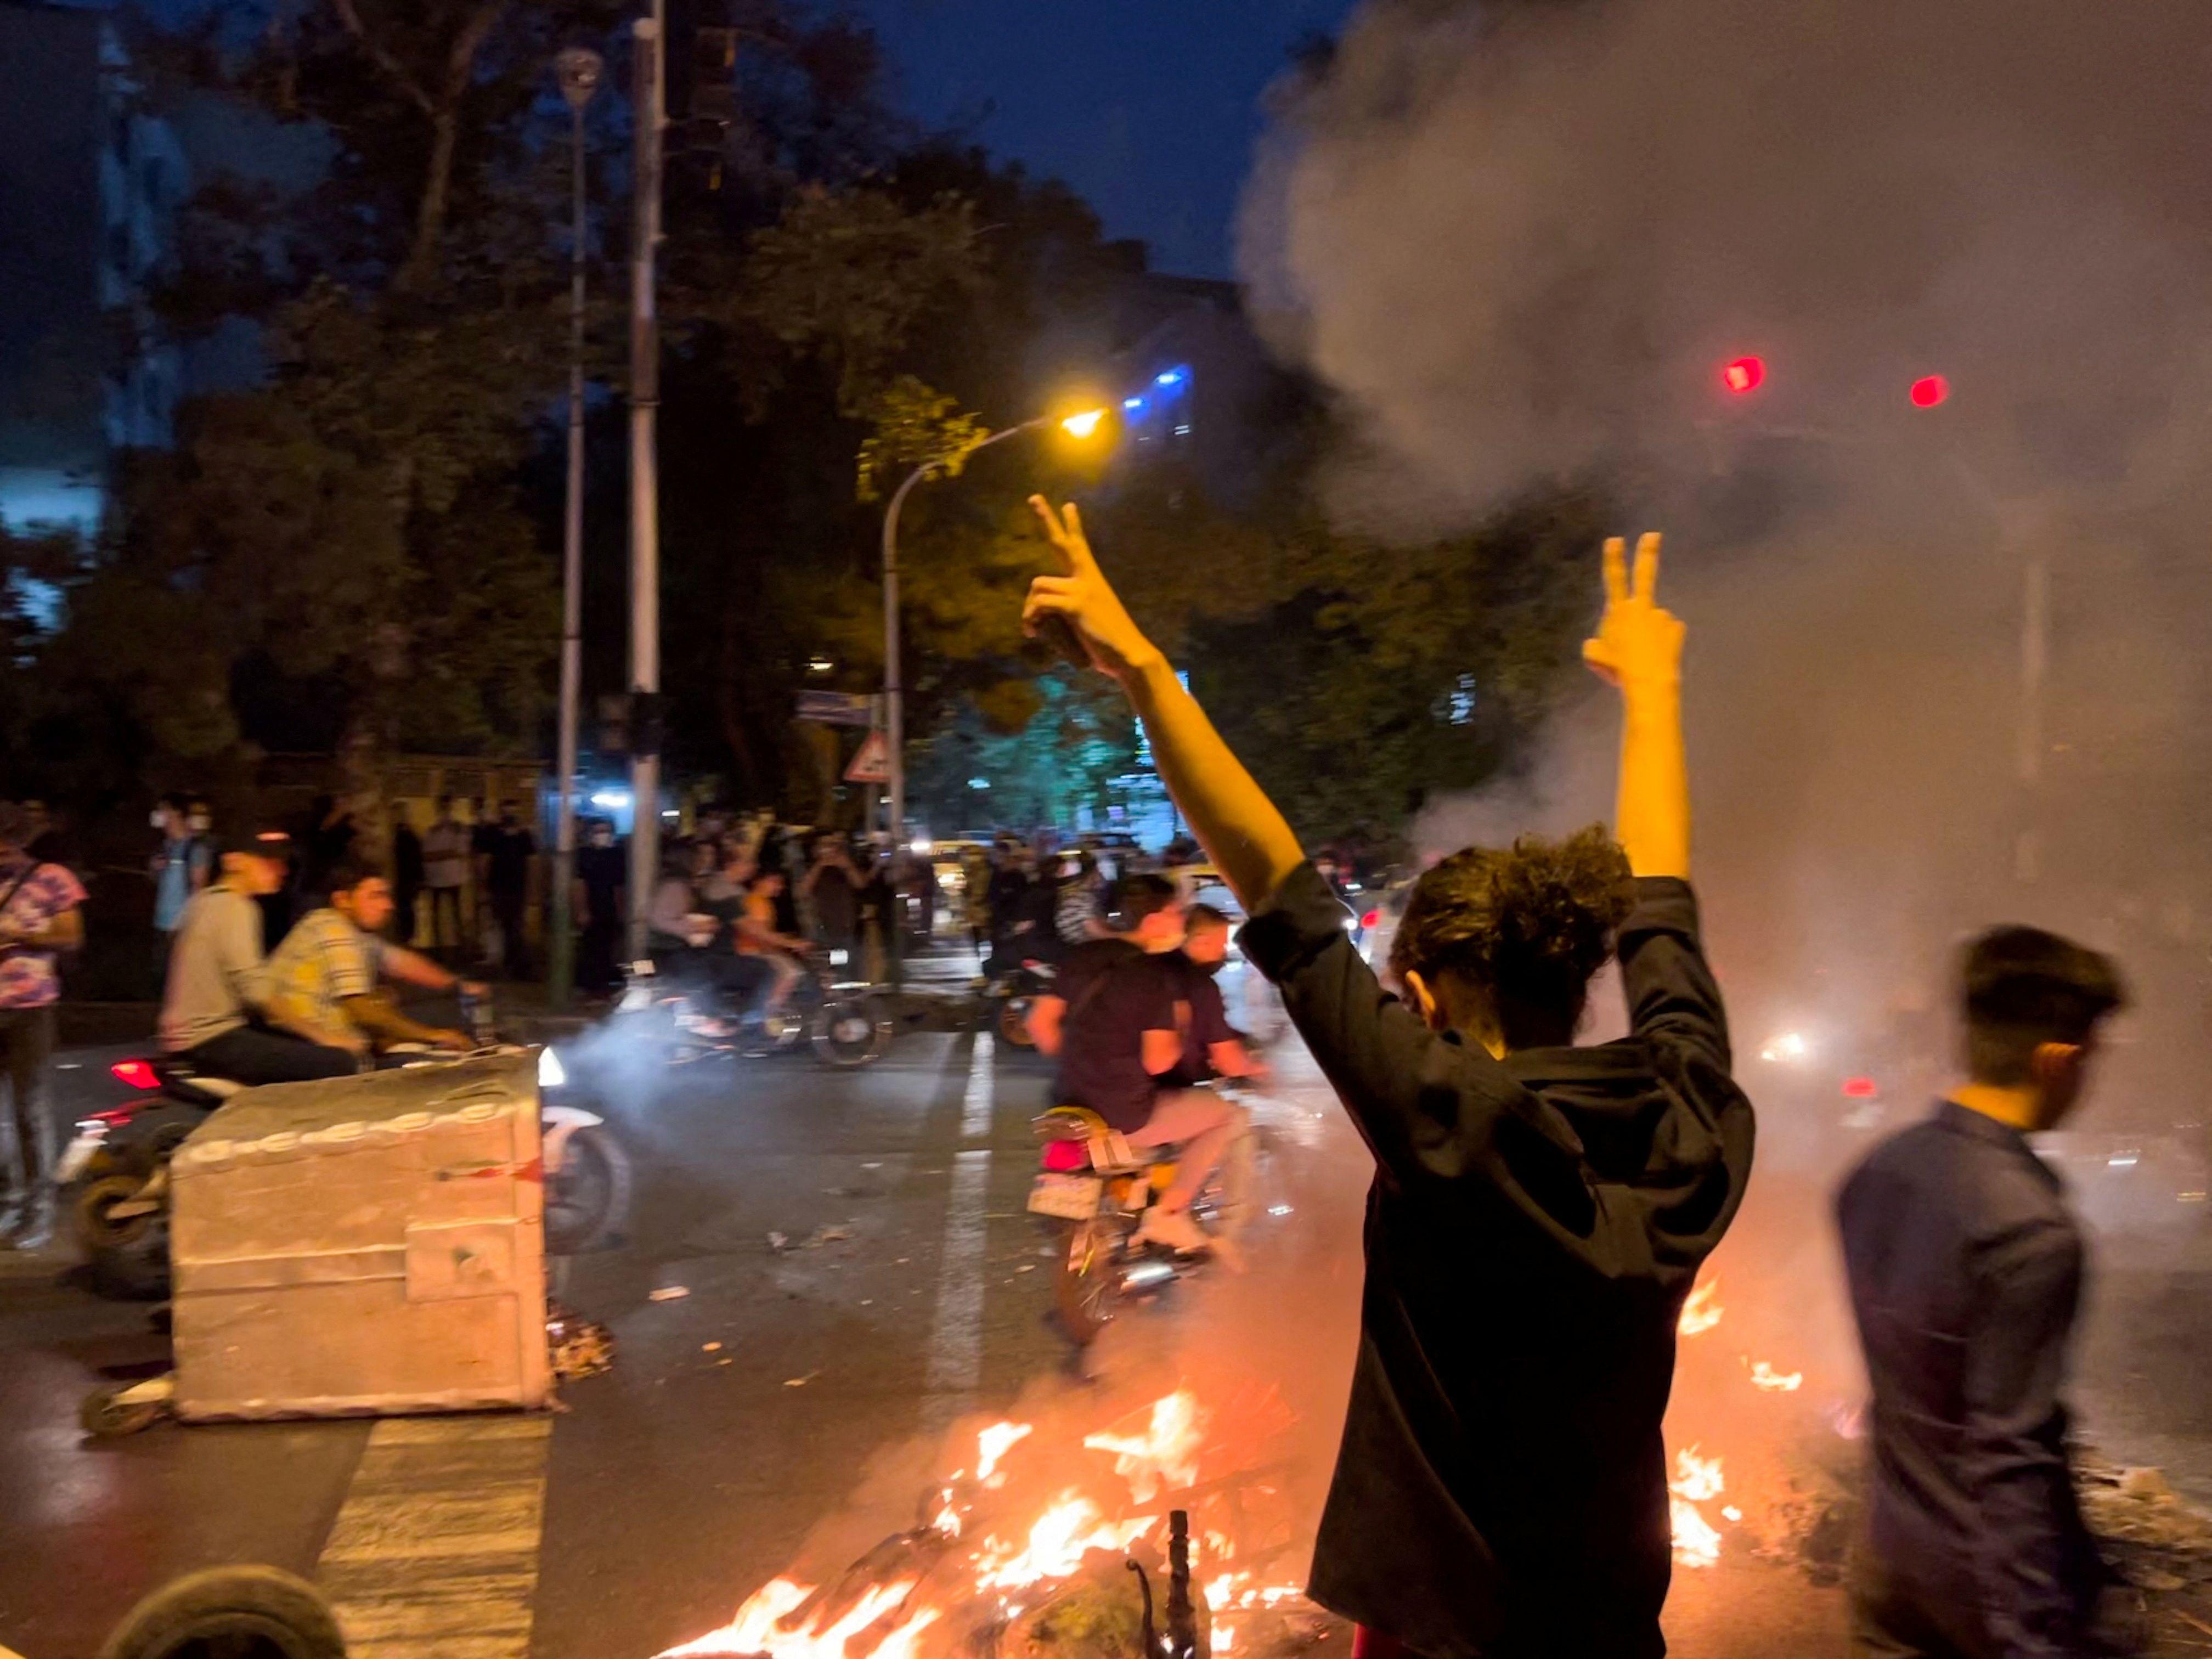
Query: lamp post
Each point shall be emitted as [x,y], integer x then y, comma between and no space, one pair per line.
[648,115]
[579,71]
[1080,425]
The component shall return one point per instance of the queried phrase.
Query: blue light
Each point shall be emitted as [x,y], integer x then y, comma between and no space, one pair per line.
[1132,403]
[1168,377]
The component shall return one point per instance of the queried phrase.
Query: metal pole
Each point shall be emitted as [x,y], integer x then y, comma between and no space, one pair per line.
[894,692]
[2034,661]
[649,46]
[579,78]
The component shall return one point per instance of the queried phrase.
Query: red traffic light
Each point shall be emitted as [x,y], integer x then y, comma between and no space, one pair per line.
[1744,374]
[1929,390]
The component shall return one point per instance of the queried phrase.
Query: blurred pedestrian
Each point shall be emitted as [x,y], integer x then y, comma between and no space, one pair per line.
[329,837]
[509,851]
[181,865]
[601,872]
[446,873]
[1080,902]
[40,916]
[408,869]
[1966,1265]
[831,888]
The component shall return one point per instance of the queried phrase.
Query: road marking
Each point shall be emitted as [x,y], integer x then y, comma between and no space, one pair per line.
[435,1554]
[976,1105]
[956,1338]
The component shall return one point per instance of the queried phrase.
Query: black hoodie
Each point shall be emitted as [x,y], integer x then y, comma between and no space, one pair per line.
[1533,1227]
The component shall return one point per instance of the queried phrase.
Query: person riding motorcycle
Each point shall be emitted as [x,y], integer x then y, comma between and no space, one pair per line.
[1212,1048]
[214,1005]
[759,941]
[1110,1020]
[324,979]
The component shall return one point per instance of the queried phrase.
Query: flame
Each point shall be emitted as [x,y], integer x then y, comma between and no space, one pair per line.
[761,1626]
[993,1444]
[1057,1544]
[1701,1312]
[1165,1455]
[1155,1450]
[1697,1480]
[1763,1376]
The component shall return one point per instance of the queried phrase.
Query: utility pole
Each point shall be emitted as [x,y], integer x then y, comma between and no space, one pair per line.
[580,71]
[2034,664]
[649,49]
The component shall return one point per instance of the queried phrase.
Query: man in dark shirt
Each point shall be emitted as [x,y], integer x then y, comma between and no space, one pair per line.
[508,852]
[1110,1020]
[1539,1211]
[1965,1276]
[1211,1047]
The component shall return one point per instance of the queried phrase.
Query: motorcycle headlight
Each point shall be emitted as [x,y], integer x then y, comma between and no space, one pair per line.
[551,1074]
[839,959]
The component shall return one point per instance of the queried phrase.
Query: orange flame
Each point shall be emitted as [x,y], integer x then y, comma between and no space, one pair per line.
[759,1627]
[1057,1544]
[1697,1480]
[992,1444]
[1701,1312]
[1165,1455]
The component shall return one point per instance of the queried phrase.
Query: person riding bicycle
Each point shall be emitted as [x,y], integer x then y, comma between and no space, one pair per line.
[1111,1021]
[324,979]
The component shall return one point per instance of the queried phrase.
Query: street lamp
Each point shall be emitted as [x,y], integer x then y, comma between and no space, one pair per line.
[1082,424]
[579,71]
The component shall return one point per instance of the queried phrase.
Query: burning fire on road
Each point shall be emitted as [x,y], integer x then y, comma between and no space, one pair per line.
[980,1563]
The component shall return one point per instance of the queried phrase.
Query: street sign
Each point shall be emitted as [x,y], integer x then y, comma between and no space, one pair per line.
[872,764]
[836,708]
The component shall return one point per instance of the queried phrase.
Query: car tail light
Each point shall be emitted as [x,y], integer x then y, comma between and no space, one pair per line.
[1371,919]
[138,1074]
[1066,1157]
[1860,1088]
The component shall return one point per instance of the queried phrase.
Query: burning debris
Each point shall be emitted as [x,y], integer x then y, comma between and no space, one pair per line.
[1050,1582]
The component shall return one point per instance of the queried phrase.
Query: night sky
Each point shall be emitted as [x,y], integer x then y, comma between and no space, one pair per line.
[1147,107]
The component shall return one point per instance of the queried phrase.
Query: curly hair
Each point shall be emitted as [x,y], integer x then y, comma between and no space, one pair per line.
[1524,927]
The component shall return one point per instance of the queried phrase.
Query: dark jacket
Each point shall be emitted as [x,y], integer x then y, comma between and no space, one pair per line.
[1965,1273]
[1533,1230]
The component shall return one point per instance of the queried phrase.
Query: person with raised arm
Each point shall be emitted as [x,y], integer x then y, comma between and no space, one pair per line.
[1539,1210]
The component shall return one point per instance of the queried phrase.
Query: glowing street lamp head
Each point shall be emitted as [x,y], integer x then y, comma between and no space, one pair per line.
[1082,424]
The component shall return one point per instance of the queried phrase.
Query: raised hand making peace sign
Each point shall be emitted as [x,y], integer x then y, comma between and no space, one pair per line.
[1083,599]
[1637,643]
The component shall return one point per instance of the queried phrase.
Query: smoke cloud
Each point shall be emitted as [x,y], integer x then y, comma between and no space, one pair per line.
[1520,241]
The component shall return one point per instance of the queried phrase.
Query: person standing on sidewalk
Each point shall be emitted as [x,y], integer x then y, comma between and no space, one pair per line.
[180,868]
[508,851]
[39,917]
[445,872]
[1966,1267]
[407,874]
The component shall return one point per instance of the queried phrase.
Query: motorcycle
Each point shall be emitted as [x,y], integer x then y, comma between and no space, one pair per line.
[838,1019]
[1015,991]
[114,1175]
[1092,1188]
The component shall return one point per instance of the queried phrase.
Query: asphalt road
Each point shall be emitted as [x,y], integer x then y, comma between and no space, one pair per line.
[790,1404]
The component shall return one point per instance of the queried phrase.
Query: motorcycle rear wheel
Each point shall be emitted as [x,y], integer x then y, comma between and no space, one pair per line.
[587,1198]
[1014,1022]
[847,1034]
[129,1258]
[1087,1285]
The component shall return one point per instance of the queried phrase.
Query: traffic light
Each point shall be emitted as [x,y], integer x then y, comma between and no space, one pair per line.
[1929,390]
[1743,374]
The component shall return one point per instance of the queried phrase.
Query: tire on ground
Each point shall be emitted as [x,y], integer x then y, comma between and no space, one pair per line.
[243,1610]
